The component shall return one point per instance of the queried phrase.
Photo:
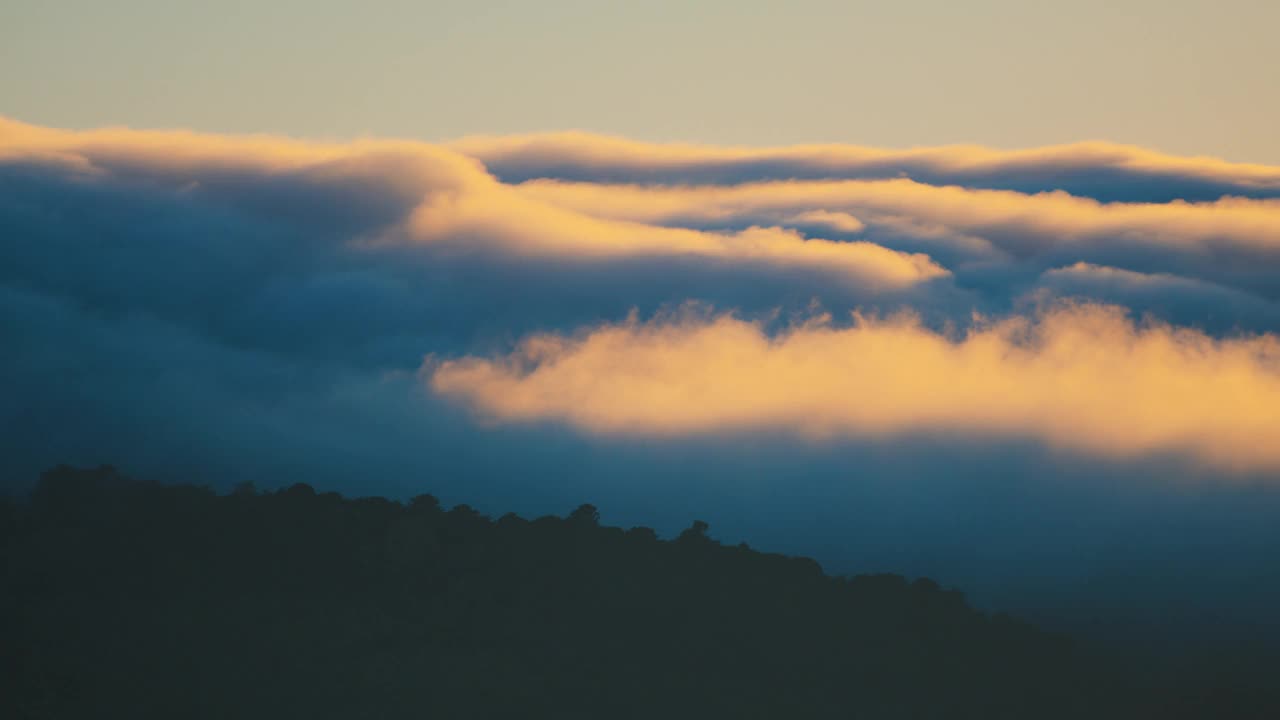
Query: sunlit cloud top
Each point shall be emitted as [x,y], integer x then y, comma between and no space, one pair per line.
[1047,295]
[1091,169]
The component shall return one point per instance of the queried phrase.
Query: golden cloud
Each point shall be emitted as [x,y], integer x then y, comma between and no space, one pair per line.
[1026,223]
[1082,377]
[546,155]
[454,201]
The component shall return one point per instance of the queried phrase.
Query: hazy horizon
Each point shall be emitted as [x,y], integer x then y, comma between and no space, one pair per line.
[1190,78]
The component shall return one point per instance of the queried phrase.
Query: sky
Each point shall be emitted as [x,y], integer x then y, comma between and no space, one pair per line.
[732,268]
[1188,77]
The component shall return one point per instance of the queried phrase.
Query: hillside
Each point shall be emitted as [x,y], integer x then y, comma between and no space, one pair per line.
[140,600]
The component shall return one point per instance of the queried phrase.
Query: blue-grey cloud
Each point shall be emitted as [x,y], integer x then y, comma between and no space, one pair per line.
[1103,171]
[220,309]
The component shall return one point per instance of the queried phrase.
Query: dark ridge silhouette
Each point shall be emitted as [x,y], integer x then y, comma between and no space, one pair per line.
[140,600]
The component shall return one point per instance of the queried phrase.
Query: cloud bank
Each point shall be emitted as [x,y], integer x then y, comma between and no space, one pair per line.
[374,254]
[436,196]
[972,364]
[1222,241]
[1083,377]
[1104,171]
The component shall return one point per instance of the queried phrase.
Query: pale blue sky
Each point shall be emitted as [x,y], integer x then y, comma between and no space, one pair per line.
[1186,77]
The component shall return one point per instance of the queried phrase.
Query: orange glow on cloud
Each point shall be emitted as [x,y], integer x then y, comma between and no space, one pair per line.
[1042,219]
[1078,376]
[624,156]
[459,203]
[499,214]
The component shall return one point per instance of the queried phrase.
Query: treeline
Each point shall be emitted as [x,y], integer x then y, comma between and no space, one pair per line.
[139,600]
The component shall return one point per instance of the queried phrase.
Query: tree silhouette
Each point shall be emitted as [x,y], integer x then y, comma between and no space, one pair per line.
[585,515]
[129,599]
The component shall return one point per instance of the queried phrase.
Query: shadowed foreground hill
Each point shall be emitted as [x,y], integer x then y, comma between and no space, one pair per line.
[139,600]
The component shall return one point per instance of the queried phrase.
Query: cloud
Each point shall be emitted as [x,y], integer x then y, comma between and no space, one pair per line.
[1185,301]
[439,197]
[523,227]
[1083,377]
[1024,222]
[1104,171]
[367,256]
[215,308]
[838,221]
[1231,241]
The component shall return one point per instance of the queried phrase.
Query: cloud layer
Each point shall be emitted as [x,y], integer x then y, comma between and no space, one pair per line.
[1104,171]
[969,363]
[374,254]
[432,195]
[1223,240]
[1082,377]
